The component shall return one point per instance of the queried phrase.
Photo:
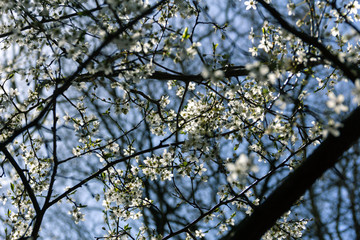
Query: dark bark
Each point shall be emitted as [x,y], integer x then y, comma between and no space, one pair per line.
[296,184]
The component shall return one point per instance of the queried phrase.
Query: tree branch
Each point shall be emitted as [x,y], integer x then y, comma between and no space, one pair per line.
[76,14]
[234,71]
[68,82]
[109,165]
[296,184]
[352,72]
[20,172]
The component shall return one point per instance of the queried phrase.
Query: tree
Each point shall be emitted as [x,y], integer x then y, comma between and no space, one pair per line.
[179,119]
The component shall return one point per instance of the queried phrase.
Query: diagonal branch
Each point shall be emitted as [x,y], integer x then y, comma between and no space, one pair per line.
[296,184]
[234,71]
[352,72]
[110,37]
[57,92]
[49,20]
[22,176]
[105,168]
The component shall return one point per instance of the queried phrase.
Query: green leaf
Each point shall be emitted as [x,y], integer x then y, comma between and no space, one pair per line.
[40,108]
[103,175]
[72,193]
[84,13]
[108,155]
[11,75]
[214,46]
[184,164]
[236,147]
[186,34]
[127,227]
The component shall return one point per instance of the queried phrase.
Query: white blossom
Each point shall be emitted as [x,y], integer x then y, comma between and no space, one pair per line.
[239,169]
[250,4]
[336,103]
[199,233]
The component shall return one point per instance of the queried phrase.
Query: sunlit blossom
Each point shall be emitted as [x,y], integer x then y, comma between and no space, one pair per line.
[250,4]
[336,103]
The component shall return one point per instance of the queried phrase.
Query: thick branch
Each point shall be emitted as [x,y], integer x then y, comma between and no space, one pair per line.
[352,72]
[58,91]
[69,80]
[296,184]
[236,71]
[109,165]
[22,176]
[76,14]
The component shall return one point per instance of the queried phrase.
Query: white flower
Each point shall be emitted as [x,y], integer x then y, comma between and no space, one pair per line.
[253,51]
[3,199]
[199,233]
[164,101]
[335,103]
[356,91]
[14,92]
[205,73]
[250,4]
[332,128]
[223,228]
[291,8]
[191,86]
[67,118]
[77,215]
[299,23]
[252,35]
[76,151]
[214,76]
[219,74]
[170,84]
[265,45]
[335,31]
[353,7]
[238,169]
[201,169]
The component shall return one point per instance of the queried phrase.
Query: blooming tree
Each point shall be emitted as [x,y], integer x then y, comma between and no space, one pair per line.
[178,119]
